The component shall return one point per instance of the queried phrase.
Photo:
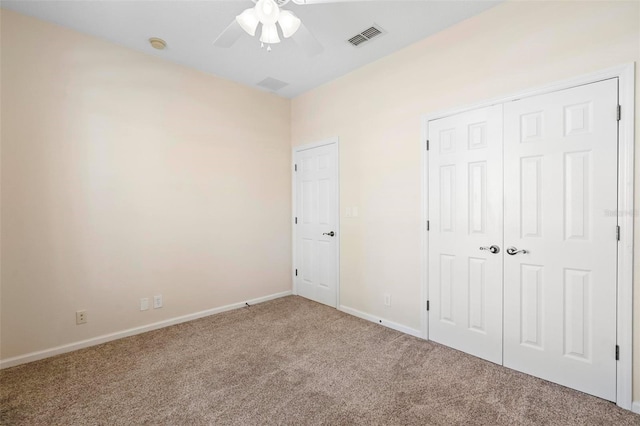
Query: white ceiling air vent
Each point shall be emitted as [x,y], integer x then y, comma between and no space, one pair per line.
[272,84]
[366,35]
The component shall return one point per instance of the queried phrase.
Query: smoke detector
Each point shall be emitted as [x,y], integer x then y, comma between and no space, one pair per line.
[157,43]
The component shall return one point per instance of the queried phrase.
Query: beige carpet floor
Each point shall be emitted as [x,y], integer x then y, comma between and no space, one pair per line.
[287,361]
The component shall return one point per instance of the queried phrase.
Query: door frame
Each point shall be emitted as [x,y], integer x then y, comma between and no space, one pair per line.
[294,186]
[626,139]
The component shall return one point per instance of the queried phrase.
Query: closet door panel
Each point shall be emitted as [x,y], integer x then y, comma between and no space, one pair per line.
[560,157]
[465,204]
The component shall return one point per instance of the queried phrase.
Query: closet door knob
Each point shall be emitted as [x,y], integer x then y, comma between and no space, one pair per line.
[494,249]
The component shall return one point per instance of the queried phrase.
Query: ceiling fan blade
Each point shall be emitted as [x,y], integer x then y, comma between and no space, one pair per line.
[230,35]
[305,39]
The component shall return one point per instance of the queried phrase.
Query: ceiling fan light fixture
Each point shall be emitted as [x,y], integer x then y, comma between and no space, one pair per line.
[269,34]
[289,23]
[267,11]
[249,21]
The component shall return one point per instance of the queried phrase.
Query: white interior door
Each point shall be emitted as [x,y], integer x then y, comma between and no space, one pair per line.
[465,220]
[560,201]
[316,180]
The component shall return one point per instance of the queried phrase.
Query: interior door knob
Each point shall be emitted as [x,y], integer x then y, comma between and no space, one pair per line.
[494,249]
[513,251]
[331,234]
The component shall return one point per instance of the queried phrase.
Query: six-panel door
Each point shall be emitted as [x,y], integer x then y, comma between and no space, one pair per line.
[465,195]
[560,158]
[316,198]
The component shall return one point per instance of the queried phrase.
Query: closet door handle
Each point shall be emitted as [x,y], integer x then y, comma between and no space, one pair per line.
[331,234]
[513,251]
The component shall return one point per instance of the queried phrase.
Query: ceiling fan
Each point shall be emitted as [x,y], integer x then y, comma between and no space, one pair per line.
[270,15]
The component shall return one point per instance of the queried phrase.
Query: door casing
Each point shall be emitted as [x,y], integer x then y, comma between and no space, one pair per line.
[331,141]
[626,139]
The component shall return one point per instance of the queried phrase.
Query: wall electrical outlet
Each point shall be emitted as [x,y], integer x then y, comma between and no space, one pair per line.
[81,317]
[157,301]
[144,304]
[387,299]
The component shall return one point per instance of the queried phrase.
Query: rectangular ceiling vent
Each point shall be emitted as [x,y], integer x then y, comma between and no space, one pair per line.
[366,35]
[272,84]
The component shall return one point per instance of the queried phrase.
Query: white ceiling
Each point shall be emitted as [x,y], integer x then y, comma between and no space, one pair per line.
[189,28]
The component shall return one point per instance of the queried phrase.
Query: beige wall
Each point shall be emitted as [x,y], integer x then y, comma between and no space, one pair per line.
[376,110]
[125,176]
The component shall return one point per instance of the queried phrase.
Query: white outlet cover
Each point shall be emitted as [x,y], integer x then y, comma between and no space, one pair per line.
[81,317]
[144,304]
[157,301]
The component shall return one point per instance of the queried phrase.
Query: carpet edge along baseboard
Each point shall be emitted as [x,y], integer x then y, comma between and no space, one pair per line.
[94,341]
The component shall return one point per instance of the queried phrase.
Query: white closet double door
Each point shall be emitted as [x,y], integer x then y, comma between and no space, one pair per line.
[523,235]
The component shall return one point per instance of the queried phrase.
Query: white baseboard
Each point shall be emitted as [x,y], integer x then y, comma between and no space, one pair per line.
[635,407]
[35,356]
[393,325]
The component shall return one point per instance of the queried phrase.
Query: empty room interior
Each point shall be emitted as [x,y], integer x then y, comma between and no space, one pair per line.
[319,212]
